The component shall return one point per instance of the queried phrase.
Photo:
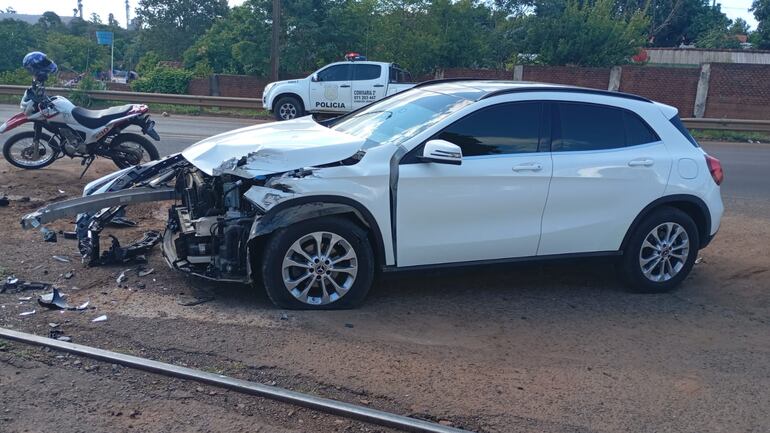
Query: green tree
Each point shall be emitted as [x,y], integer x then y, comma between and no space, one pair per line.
[76,53]
[169,27]
[761,37]
[739,27]
[17,38]
[718,38]
[586,34]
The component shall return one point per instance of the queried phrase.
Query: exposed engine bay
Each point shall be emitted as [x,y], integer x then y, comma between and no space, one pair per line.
[210,227]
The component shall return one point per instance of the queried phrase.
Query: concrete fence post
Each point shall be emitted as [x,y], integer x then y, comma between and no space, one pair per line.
[518,73]
[615,74]
[214,84]
[703,90]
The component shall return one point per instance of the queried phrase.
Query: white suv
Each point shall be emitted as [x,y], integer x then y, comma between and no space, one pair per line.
[447,173]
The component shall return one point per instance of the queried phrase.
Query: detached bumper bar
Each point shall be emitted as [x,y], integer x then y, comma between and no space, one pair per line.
[94,203]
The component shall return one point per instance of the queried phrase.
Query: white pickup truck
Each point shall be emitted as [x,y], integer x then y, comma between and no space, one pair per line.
[335,89]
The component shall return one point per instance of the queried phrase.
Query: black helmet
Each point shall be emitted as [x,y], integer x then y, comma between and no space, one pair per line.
[39,65]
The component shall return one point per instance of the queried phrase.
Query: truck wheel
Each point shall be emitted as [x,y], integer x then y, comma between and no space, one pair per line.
[287,108]
[319,264]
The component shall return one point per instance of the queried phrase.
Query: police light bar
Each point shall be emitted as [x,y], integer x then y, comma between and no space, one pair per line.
[352,57]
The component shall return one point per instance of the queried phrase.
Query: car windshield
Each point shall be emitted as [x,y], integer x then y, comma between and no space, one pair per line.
[401,117]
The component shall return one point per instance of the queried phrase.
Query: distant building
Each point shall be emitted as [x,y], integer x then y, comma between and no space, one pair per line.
[30,19]
[687,56]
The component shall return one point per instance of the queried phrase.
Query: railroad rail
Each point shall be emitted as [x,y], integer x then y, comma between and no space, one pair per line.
[320,404]
[255,103]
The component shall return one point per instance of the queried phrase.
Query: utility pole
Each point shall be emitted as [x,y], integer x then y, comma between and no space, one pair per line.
[80,8]
[274,44]
[127,21]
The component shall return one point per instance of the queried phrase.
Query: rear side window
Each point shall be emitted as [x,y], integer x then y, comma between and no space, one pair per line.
[677,122]
[580,126]
[366,72]
[637,130]
[499,129]
[587,127]
[335,73]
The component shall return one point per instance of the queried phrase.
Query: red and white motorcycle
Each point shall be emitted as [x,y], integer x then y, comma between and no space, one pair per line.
[77,132]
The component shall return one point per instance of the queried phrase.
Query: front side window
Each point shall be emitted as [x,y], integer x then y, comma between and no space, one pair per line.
[366,72]
[499,129]
[335,73]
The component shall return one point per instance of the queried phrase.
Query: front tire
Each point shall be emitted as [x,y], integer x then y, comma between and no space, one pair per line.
[127,150]
[319,264]
[661,251]
[18,150]
[287,108]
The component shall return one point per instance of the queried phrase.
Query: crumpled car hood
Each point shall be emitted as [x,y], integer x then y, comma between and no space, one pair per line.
[272,148]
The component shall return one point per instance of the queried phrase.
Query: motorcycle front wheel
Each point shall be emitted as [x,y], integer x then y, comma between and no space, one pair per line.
[20,150]
[127,150]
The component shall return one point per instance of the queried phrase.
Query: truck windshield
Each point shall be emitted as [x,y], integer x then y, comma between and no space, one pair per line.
[402,116]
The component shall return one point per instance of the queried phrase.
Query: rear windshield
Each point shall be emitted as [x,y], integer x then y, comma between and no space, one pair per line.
[677,122]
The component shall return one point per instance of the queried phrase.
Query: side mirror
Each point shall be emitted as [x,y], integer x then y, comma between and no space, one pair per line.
[314,78]
[442,152]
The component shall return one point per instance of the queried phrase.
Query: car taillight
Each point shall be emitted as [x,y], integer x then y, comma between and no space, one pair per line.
[715,168]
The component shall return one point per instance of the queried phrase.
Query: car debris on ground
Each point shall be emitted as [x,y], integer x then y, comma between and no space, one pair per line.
[101,318]
[16,285]
[190,301]
[4,201]
[55,301]
[61,259]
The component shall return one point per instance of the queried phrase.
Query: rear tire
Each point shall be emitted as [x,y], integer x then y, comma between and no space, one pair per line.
[661,251]
[287,108]
[122,160]
[299,263]
[45,141]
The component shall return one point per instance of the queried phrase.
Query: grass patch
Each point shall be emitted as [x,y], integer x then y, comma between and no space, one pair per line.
[726,135]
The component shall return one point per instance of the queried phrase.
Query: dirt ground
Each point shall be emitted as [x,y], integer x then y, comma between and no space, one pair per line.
[558,347]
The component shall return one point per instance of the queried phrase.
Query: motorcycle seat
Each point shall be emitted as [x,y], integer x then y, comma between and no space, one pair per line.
[97,118]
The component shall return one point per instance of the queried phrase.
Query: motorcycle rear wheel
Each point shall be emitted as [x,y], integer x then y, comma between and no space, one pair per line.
[19,147]
[127,150]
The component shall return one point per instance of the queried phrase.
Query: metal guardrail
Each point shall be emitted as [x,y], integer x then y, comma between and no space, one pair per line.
[254,103]
[148,98]
[728,124]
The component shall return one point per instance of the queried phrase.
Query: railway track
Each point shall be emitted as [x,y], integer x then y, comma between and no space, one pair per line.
[334,407]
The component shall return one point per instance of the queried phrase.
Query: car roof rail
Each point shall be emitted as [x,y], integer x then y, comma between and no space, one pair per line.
[567,89]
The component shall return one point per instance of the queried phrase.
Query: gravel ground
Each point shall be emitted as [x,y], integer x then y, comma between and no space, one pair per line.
[557,347]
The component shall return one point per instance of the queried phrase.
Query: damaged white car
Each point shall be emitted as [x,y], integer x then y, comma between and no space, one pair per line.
[447,173]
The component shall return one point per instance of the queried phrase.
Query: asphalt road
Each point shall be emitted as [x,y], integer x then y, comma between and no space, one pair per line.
[744,163]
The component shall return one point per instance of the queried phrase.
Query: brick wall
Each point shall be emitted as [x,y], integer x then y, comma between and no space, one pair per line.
[672,86]
[488,74]
[739,91]
[596,78]
[199,86]
[239,86]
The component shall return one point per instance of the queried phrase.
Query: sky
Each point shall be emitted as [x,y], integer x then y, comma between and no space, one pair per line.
[732,8]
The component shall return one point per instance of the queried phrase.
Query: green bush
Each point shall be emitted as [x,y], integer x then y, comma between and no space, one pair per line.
[17,76]
[79,96]
[163,80]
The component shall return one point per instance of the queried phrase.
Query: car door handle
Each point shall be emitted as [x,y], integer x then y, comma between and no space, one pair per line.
[642,162]
[528,167]
[344,85]
[379,85]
